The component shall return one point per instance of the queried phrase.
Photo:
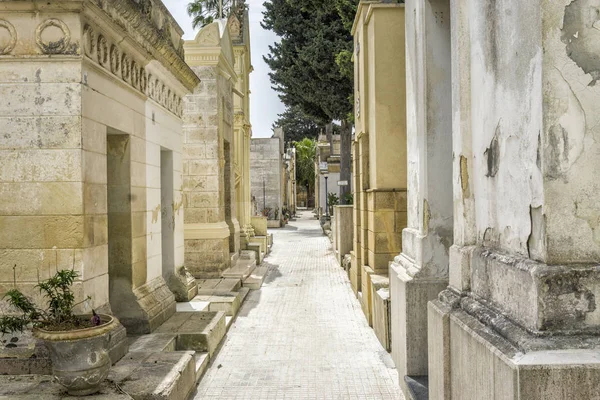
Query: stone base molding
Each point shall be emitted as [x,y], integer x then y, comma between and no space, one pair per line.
[526,330]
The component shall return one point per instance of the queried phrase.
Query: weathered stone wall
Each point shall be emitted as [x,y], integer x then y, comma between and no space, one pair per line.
[420,272]
[266,166]
[523,266]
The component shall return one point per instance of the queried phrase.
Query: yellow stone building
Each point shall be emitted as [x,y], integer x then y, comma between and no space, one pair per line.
[379,176]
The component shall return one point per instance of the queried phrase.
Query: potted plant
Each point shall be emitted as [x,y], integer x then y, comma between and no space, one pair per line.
[78,344]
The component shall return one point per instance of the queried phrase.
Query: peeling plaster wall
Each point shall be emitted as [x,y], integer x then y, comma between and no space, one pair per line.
[535,113]
[506,118]
[571,135]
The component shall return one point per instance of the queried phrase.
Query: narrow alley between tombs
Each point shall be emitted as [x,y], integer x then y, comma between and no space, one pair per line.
[303,334]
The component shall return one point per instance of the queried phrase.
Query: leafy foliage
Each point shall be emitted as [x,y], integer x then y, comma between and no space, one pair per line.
[204,12]
[332,200]
[60,299]
[306,155]
[297,125]
[349,197]
[303,63]
[312,64]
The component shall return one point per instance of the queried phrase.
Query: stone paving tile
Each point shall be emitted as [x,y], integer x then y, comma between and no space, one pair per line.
[303,335]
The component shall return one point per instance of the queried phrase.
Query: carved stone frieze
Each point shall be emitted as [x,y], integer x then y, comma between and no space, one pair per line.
[151,25]
[100,50]
[11,35]
[60,45]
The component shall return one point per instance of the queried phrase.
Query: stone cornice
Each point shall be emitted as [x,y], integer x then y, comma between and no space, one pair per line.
[210,56]
[150,24]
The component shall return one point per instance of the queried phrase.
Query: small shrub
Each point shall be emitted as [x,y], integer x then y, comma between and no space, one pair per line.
[57,316]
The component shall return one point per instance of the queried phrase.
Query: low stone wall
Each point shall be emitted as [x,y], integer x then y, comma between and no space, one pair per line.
[260,225]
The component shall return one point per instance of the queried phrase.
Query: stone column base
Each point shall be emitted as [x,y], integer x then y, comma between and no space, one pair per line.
[409,297]
[183,285]
[145,308]
[468,359]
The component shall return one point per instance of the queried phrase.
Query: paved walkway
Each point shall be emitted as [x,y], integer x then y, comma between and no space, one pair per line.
[303,335]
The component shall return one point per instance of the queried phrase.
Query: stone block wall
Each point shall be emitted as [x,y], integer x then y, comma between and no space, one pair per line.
[266,174]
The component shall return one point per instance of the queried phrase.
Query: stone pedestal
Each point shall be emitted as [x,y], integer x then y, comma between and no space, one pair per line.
[343,230]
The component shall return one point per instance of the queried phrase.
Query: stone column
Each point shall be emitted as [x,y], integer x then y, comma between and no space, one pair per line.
[208,130]
[520,311]
[420,272]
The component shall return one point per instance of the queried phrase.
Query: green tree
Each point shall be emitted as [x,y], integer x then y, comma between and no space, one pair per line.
[205,12]
[297,125]
[306,155]
[304,67]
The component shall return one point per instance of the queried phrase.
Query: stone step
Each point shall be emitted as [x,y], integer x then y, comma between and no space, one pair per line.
[202,361]
[241,270]
[44,387]
[247,255]
[194,305]
[243,293]
[256,279]
[216,286]
[380,280]
[255,248]
[199,331]
[228,302]
[234,257]
[153,343]
[156,375]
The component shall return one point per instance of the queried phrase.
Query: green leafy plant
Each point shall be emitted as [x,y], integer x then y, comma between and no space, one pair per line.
[349,198]
[59,312]
[204,12]
[332,200]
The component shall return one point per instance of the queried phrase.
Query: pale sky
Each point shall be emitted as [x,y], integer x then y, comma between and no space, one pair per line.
[265,105]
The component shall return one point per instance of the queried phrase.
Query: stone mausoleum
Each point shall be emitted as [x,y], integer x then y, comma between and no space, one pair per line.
[216,148]
[91,106]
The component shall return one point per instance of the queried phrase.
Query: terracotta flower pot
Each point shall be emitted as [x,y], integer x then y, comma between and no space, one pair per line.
[80,360]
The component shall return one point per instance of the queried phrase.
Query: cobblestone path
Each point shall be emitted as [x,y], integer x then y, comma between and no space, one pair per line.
[303,334]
